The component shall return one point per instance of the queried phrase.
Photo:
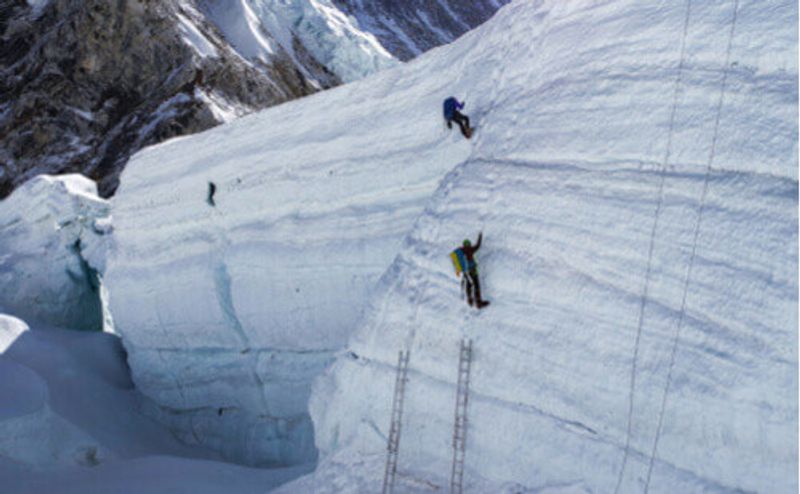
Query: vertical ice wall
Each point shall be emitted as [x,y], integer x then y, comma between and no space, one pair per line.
[635,174]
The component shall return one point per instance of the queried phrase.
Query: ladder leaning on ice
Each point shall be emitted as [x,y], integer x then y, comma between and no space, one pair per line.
[460,425]
[397,417]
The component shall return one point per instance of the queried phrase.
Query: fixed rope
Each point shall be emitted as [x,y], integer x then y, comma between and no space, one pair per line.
[643,304]
[698,221]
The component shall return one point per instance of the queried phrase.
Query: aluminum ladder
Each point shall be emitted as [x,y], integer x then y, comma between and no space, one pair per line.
[397,417]
[460,425]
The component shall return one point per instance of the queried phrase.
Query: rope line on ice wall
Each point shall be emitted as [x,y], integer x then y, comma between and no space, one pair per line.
[659,203]
[687,280]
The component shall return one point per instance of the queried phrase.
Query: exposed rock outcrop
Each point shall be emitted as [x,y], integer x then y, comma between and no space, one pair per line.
[84,84]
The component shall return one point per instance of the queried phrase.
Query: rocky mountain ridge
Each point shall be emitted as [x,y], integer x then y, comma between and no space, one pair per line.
[86,84]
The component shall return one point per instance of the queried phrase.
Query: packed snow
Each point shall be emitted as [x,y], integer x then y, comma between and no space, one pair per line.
[634,171]
[70,423]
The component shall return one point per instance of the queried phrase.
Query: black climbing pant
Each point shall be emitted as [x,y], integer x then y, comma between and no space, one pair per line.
[473,289]
[462,121]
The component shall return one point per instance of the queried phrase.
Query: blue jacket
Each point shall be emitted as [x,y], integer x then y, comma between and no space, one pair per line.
[450,106]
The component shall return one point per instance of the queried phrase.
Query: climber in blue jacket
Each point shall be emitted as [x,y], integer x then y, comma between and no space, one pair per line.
[451,114]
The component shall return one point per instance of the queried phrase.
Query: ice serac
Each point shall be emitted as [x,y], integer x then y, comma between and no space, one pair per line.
[314,33]
[52,245]
[635,175]
[229,311]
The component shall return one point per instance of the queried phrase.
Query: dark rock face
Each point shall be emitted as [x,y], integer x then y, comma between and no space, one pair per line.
[86,83]
[410,27]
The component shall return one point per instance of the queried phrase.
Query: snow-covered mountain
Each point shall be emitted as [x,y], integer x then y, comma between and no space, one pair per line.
[411,27]
[635,172]
[308,30]
[84,84]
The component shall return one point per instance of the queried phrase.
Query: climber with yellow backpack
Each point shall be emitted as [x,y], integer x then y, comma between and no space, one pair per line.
[464,263]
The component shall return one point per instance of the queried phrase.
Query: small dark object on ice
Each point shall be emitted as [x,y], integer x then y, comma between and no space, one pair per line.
[212,189]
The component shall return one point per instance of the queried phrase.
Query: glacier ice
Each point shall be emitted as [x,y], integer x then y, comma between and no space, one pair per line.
[52,246]
[635,173]
[262,289]
[640,212]
[331,37]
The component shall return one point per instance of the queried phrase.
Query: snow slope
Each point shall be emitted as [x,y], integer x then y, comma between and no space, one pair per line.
[88,83]
[51,245]
[67,400]
[70,422]
[635,171]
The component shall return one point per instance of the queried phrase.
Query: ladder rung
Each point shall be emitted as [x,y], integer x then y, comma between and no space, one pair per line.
[393,441]
[460,423]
